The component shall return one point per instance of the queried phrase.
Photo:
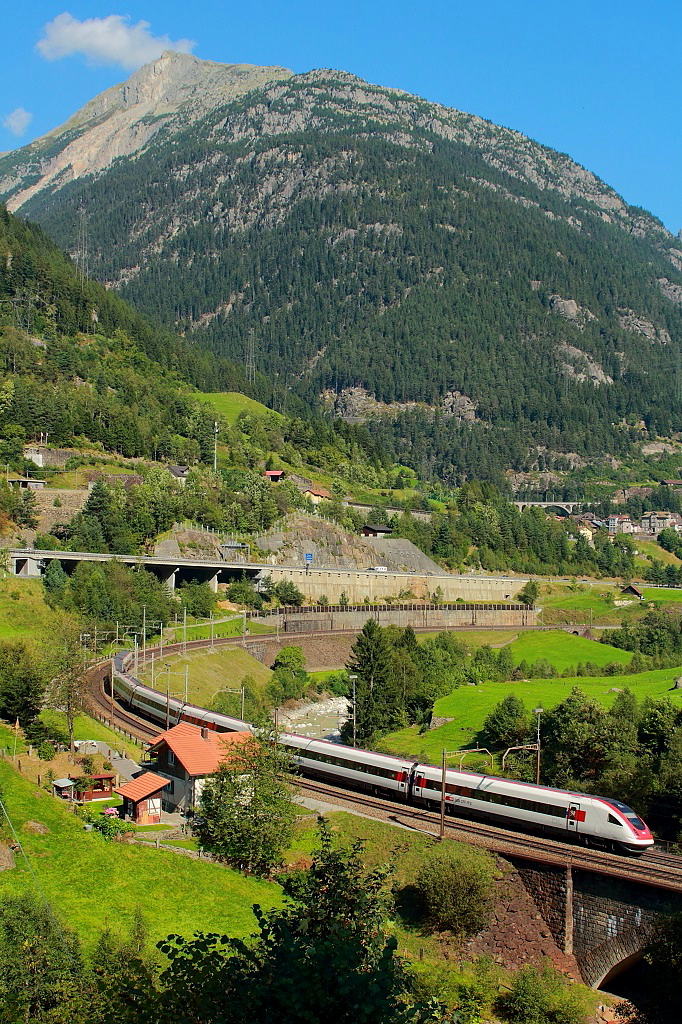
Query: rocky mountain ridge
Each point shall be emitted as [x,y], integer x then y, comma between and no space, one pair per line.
[480,295]
[175,90]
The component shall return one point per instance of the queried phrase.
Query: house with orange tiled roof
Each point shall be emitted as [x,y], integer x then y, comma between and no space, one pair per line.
[142,798]
[185,756]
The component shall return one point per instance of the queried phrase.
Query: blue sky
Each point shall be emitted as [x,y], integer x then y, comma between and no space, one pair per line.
[597,79]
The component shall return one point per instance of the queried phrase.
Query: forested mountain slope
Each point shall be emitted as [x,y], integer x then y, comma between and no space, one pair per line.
[77,363]
[358,237]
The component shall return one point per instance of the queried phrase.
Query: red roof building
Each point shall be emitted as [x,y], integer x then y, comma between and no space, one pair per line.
[142,798]
[186,755]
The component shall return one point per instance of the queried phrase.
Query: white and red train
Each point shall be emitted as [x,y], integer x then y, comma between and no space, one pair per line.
[593,820]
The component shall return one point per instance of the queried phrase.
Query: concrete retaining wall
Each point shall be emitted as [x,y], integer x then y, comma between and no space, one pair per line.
[332,583]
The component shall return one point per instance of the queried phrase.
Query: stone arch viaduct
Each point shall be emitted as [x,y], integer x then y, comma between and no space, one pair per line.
[603,921]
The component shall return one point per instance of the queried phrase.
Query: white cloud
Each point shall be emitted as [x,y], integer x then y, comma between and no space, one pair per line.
[110,40]
[18,121]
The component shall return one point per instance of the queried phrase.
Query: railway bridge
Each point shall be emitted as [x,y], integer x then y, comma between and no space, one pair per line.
[602,919]
[600,908]
[567,507]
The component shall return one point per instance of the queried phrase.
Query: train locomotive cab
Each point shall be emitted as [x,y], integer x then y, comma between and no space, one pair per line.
[623,828]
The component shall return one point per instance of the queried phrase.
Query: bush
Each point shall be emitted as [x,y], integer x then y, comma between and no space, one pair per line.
[112,828]
[455,889]
[45,751]
[542,997]
[287,593]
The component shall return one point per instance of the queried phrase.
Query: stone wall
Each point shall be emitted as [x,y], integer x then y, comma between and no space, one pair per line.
[518,934]
[600,920]
[434,617]
[612,920]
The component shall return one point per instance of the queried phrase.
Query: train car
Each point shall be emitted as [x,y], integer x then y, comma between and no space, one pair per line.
[156,706]
[378,773]
[574,816]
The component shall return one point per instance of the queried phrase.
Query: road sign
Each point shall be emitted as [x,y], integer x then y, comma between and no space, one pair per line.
[308,557]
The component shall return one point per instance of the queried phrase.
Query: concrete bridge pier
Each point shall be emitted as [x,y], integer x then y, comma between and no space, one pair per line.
[27,565]
[168,576]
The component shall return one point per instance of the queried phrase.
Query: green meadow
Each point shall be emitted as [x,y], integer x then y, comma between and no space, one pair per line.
[93,884]
[563,649]
[208,672]
[469,705]
[231,403]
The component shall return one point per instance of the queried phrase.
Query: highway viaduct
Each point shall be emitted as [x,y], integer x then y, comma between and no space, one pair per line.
[355,584]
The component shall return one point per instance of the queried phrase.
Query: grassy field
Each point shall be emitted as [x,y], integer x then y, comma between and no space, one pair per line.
[649,549]
[563,649]
[85,728]
[93,884]
[479,637]
[23,611]
[231,403]
[209,671]
[202,631]
[469,705]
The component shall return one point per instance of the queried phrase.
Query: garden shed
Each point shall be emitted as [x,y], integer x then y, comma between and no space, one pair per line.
[142,798]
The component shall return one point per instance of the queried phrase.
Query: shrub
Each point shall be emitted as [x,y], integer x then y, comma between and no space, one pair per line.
[45,751]
[112,828]
[542,997]
[455,889]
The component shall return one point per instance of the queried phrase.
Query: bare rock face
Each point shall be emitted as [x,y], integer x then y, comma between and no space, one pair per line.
[123,120]
[671,290]
[577,364]
[456,404]
[629,320]
[570,310]
[356,405]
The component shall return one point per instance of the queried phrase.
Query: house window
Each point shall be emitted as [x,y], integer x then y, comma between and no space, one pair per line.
[171,757]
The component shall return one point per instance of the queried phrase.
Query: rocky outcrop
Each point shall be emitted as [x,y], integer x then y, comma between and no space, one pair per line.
[577,364]
[631,321]
[176,89]
[570,310]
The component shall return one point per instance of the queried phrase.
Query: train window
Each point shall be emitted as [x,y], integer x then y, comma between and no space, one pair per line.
[614,821]
[637,822]
[342,762]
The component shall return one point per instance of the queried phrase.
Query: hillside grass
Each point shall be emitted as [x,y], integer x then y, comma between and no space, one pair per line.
[93,884]
[649,549]
[85,728]
[563,649]
[202,630]
[468,706]
[231,403]
[477,637]
[209,671]
[24,612]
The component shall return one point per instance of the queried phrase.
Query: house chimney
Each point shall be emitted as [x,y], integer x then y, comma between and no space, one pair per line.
[204,732]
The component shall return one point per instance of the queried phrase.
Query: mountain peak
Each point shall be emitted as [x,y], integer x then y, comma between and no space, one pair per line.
[122,120]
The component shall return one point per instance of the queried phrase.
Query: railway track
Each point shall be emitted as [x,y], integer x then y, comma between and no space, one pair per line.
[656,868]
[661,870]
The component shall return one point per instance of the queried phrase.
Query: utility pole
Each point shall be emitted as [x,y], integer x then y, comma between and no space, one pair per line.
[184,630]
[144,635]
[442,794]
[353,679]
[186,681]
[215,446]
[538,712]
